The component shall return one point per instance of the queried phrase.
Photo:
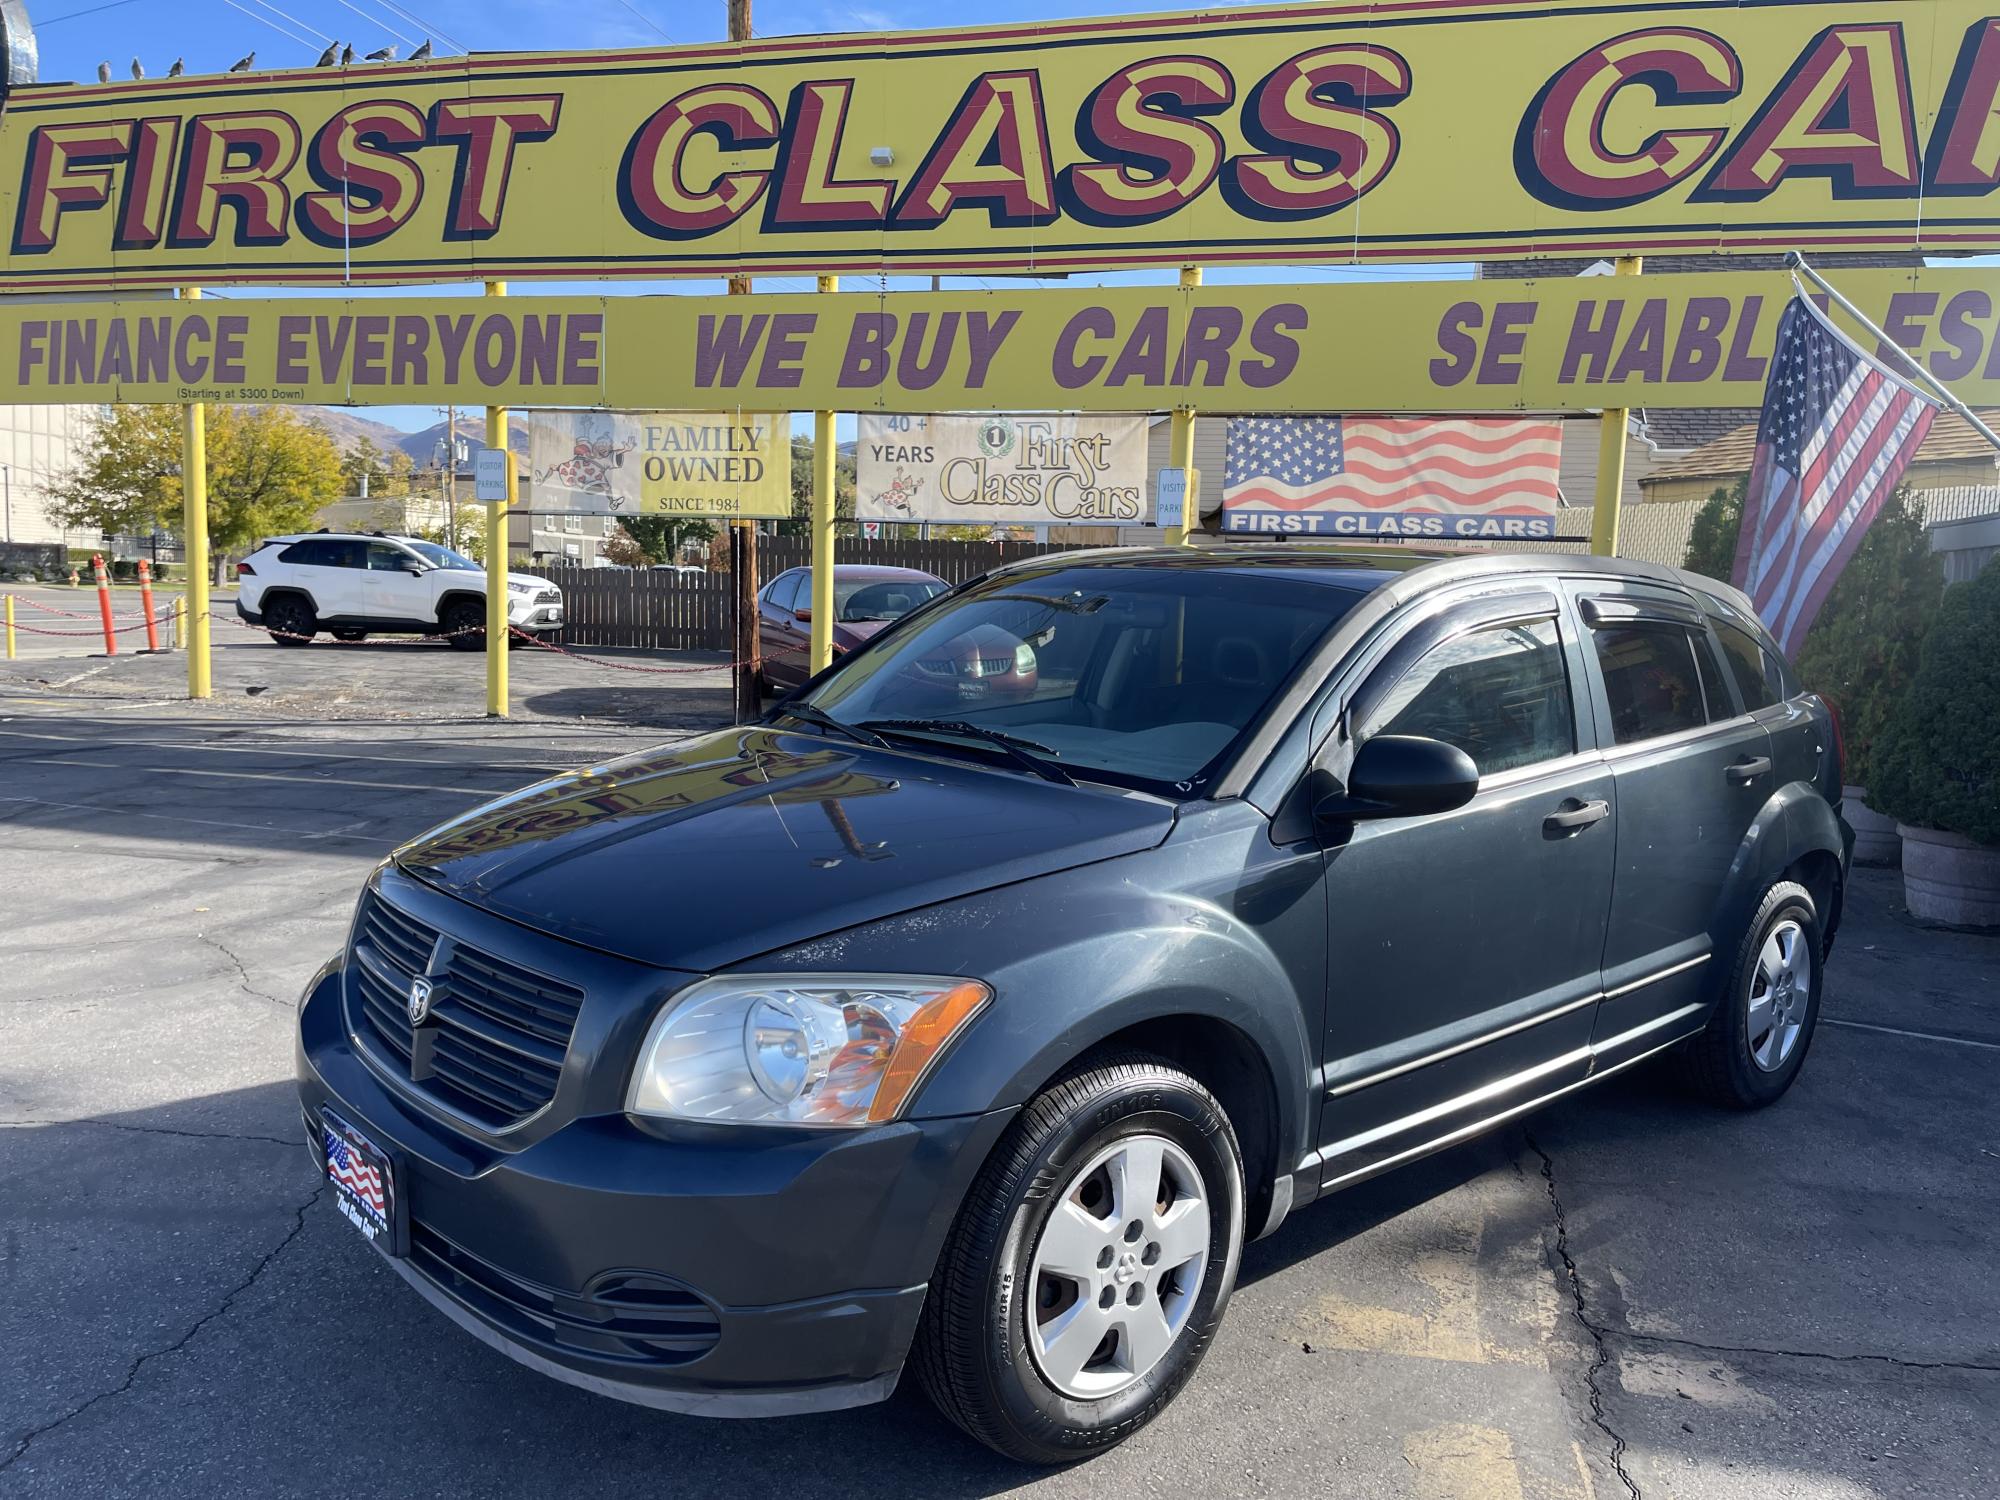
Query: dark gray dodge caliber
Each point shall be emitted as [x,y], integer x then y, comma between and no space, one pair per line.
[970,1011]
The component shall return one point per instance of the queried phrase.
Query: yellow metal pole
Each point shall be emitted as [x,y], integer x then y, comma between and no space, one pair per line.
[1611,457]
[496,557]
[823,513]
[194,532]
[1180,449]
[10,627]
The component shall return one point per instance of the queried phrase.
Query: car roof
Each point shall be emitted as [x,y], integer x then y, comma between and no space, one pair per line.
[1403,572]
[853,571]
[338,536]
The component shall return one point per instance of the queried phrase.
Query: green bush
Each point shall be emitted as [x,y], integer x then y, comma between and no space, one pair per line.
[1862,650]
[1938,762]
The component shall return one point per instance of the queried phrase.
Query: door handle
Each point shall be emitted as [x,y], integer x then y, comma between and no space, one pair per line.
[1748,770]
[1570,819]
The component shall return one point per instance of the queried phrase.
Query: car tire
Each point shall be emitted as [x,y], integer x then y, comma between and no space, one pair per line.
[464,624]
[350,635]
[1009,1346]
[1756,1042]
[290,620]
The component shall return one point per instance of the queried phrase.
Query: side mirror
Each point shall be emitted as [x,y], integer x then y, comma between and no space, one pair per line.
[1402,776]
[803,614]
[415,570]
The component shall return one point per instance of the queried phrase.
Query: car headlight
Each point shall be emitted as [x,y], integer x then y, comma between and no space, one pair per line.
[799,1049]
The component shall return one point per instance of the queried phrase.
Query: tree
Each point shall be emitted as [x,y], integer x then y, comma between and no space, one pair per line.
[268,472]
[1862,650]
[660,539]
[126,476]
[1711,548]
[388,473]
[620,548]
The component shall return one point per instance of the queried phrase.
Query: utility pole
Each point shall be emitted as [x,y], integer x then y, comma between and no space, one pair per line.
[451,477]
[743,534]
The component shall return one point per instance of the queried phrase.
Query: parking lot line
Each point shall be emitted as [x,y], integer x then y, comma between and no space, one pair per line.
[265,828]
[1921,1036]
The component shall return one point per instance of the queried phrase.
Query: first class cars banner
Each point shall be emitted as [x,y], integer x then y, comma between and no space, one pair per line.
[1002,470]
[1566,344]
[1399,130]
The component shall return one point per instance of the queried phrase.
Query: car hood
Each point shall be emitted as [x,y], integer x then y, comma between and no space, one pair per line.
[858,631]
[531,580]
[708,852]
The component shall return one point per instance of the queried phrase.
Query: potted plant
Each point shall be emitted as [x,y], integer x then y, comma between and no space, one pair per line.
[1937,767]
[1862,650]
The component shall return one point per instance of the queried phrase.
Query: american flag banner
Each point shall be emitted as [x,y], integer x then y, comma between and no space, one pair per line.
[1836,433]
[1473,478]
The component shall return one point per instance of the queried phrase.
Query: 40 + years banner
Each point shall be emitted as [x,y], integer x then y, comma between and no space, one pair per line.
[1384,130]
[1036,469]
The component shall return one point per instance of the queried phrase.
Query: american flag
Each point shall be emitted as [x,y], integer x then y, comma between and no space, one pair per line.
[1376,467]
[345,1166]
[1836,433]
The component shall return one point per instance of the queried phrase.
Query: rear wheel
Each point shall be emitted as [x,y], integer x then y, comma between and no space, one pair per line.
[1756,1041]
[290,620]
[1090,1265]
[464,623]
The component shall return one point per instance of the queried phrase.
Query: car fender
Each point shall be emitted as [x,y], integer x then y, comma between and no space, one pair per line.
[1074,958]
[445,600]
[1795,821]
[279,590]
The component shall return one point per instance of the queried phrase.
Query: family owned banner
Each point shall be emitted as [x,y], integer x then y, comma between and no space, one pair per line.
[1063,467]
[1382,476]
[694,464]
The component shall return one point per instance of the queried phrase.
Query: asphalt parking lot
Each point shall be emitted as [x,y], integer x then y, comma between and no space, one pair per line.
[1629,1295]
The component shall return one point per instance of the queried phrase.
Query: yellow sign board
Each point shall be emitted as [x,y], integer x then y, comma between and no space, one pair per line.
[735,464]
[1695,339]
[1351,132]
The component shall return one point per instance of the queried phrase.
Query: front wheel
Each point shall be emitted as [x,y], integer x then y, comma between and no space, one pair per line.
[464,624]
[1756,1041]
[1090,1265]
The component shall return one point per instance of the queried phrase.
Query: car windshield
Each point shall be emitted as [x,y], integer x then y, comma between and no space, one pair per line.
[860,600]
[442,557]
[1141,676]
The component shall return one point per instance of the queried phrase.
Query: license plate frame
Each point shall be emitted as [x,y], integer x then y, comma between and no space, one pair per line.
[348,1158]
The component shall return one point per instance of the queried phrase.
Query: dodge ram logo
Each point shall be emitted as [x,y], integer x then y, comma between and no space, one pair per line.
[420,1001]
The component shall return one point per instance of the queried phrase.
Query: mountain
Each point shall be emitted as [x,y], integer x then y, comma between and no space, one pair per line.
[424,447]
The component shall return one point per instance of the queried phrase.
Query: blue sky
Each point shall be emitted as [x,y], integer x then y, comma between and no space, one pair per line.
[76,35]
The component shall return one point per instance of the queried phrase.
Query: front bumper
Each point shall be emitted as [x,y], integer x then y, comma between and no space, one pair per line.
[536,617]
[726,1273]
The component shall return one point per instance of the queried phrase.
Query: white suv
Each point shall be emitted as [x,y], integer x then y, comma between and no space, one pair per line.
[352,583]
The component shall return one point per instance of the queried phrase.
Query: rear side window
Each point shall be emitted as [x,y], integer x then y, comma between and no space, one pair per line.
[1756,674]
[307,554]
[784,593]
[1501,694]
[1650,678]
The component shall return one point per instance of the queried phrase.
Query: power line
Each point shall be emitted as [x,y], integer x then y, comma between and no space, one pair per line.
[646,18]
[91,11]
[302,25]
[376,21]
[430,27]
[290,35]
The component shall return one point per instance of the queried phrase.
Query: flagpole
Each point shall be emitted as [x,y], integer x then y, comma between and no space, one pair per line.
[1796,264]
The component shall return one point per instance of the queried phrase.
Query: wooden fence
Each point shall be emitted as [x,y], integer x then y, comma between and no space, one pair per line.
[657,610]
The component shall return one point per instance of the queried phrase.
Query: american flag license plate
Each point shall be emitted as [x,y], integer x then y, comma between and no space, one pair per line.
[364,1187]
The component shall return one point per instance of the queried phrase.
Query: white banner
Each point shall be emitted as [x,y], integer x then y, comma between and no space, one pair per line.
[1062,468]
[660,463]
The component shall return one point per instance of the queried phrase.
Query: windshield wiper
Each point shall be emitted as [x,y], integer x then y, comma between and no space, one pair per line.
[813,714]
[1013,746]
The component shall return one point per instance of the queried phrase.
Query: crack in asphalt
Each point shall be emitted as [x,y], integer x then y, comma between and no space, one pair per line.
[1599,1335]
[1893,1360]
[243,982]
[192,1135]
[298,1226]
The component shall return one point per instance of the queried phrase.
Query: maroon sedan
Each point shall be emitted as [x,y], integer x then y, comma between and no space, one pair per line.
[864,600]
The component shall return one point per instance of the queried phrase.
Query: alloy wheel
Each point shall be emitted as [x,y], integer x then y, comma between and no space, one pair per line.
[1118,1267]
[1780,995]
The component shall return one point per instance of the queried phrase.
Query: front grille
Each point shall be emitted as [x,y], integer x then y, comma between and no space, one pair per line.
[549,596]
[624,1315]
[492,1046]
